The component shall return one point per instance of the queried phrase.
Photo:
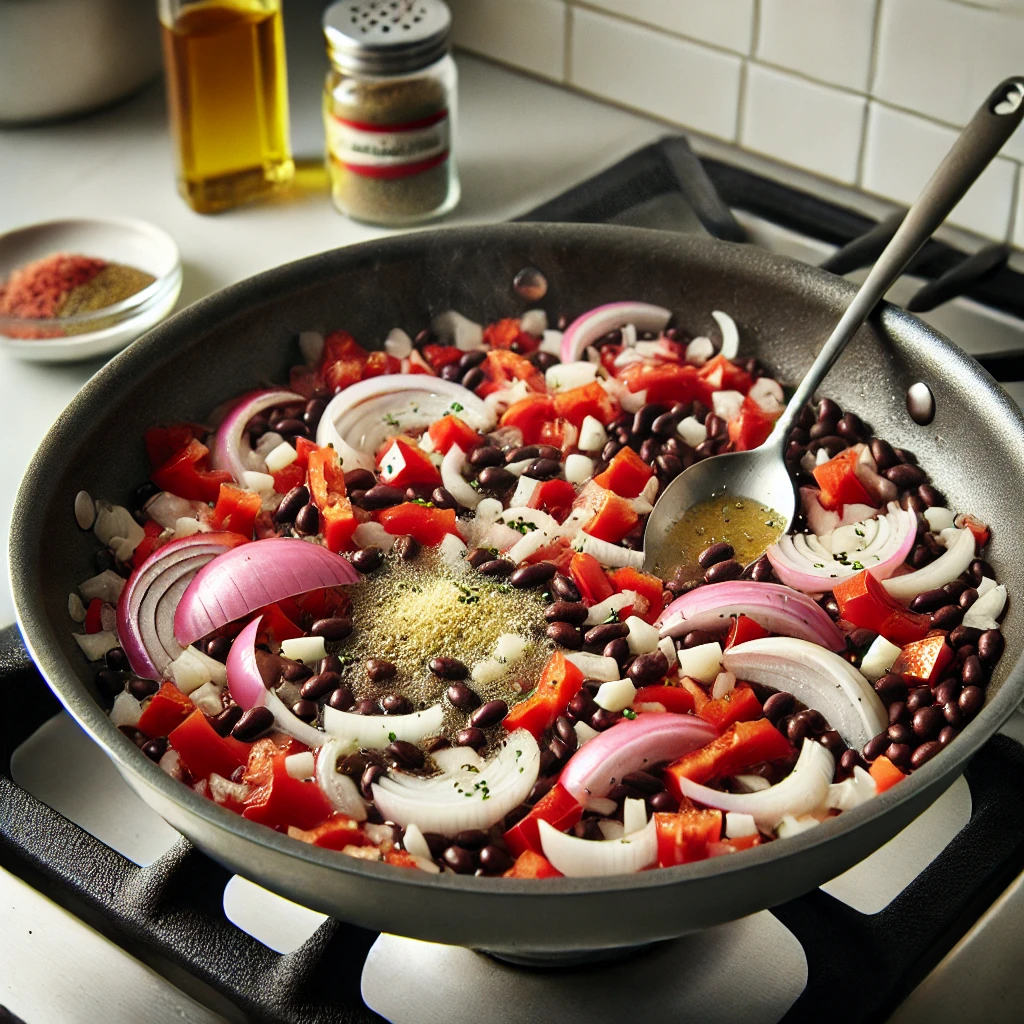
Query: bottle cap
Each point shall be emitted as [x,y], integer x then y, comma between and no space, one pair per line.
[386,37]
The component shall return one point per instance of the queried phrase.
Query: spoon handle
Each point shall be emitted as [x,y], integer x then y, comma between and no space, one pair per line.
[991,126]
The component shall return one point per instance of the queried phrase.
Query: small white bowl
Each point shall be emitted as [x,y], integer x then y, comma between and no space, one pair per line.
[133,243]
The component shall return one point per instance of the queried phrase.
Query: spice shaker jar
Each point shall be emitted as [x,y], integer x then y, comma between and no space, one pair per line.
[389,106]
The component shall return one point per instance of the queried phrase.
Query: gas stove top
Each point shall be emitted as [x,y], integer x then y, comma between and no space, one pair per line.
[109,915]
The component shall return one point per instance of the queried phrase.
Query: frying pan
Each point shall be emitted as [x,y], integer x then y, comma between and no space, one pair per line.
[245,336]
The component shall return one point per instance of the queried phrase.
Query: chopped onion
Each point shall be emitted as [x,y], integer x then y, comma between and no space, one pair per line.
[193,669]
[692,431]
[634,815]
[231,450]
[939,519]
[534,322]
[866,471]
[598,613]
[802,791]
[126,710]
[726,404]
[630,745]
[608,554]
[307,649]
[593,436]
[730,335]
[594,666]
[578,468]
[954,560]
[584,732]
[452,759]
[596,323]
[372,534]
[114,521]
[851,792]
[244,579]
[616,695]
[985,612]
[454,482]
[107,586]
[452,328]
[398,344]
[738,824]
[463,799]
[341,791]
[524,491]
[642,638]
[280,457]
[590,858]
[725,682]
[768,394]
[819,678]
[699,351]
[565,376]
[166,509]
[702,662]
[776,608]
[878,658]
[377,731]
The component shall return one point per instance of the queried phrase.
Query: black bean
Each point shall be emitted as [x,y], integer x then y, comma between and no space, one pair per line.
[567,635]
[295,671]
[929,601]
[795,730]
[405,755]
[359,480]
[473,378]
[720,572]
[487,455]
[973,672]
[379,670]
[307,522]
[897,712]
[970,700]
[116,660]
[489,714]
[320,685]
[648,669]
[875,747]
[643,782]
[534,575]
[832,444]
[851,759]
[965,652]
[295,499]
[928,722]
[964,635]
[582,705]
[947,690]
[924,753]
[370,775]
[291,428]
[461,861]
[668,467]
[155,749]
[650,450]
[450,371]
[828,410]
[617,650]
[643,421]
[497,567]
[313,412]
[418,492]
[142,688]
[448,668]
[715,426]
[905,475]
[990,647]
[778,705]
[493,859]
[440,498]
[979,569]
[883,454]
[473,358]
[851,427]
[341,699]
[952,715]
[495,478]
[948,735]
[598,636]
[366,706]
[665,424]
[110,683]
[543,469]
[396,704]
[588,828]
[253,724]
[602,719]
[306,710]
[471,737]
[610,450]
[710,556]
[832,742]
[663,802]
[899,754]
[891,687]
[564,589]
[336,628]
[559,749]
[478,556]
[967,598]
[823,428]
[696,638]
[382,496]
[573,612]
[462,697]
[565,731]
[814,721]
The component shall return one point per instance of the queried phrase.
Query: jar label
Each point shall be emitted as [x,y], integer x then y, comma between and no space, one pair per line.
[389,151]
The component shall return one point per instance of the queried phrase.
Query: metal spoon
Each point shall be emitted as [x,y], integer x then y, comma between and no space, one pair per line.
[761,475]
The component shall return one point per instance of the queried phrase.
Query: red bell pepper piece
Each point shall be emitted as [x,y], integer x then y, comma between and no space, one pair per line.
[400,859]
[665,382]
[260,765]
[183,474]
[236,510]
[744,628]
[558,551]
[508,333]
[718,374]
[163,443]
[613,519]
[554,497]
[976,526]
[276,626]
[327,490]
[93,614]
[750,429]
[333,834]
[885,773]
[684,837]
[558,684]
[440,356]
[590,579]
[166,710]
[740,746]
[284,801]
[402,464]
[504,368]
[558,807]
[203,751]
[924,660]
[148,544]
[532,865]
[696,691]
[738,705]
[530,415]
[290,476]
[838,481]
[427,525]
[342,361]
[379,363]
[303,449]
[676,699]
[864,602]
[590,399]
[648,587]
[449,430]
[627,474]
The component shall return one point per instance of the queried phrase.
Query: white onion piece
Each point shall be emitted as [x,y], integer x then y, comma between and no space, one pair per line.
[85,510]
[851,792]
[454,482]
[373,534]
[803,790]
[592,858]
[107,586]
[598,613]
[730,334]
[453,802]
[458,330]
[565,376]
[611,555]
[596,323]
[866,471]
[593,436]
[819,678]
[529,545]
[340,790]
[699,351]
[166,509]
[954,560]
[939,519]
[126,710]
[727,404]
[985,612]
[452,759]
[398,344]
[75,607]
[768,394]
[375,731]
[521,515]
[594,666]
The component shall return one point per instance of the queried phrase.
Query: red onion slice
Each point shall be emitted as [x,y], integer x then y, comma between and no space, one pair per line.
[144,617]
[231,450]
[778,609]
[629,745]
[241,581]
[597,322]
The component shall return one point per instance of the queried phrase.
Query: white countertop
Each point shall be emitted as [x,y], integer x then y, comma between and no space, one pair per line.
[520,141]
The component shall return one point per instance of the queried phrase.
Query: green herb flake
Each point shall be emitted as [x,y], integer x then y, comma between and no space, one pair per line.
[457,407]
[392,737]
[629,713]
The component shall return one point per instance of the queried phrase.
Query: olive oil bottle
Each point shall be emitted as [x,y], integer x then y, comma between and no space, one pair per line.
[228,97]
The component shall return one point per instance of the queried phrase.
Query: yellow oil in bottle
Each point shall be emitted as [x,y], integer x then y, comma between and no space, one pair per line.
[228,98]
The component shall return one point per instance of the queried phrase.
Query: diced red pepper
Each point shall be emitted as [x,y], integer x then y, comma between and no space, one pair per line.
[718,374]
[677,699]
[696,691]
[976,526]
[530,415]
[885,774]
[750,429]
[236,510]
[559,433]
[166,710]
[865,603]
[333,834]
[327,490]
[148,544]
[744,628]
[590,579]
[425,524]
[558,807]
[839,483]
[400,859]
[284,801]
[290,476]
[613,519]
[663,382]
[559,551]
[507,333]
[588,400]
[684,837]
[740,746]
[163,443]
[738,705]
[558,684]
[203,750]
[440,356]
[93,615]
[504,368]
[415,363]
[303,449]
[276,626]
[260,765]
[342,361]
[402,464]
[925,660]
[183,474]
[532,865]
[379,363]
[449,430]
[648,587]
[554,497]
[627,474]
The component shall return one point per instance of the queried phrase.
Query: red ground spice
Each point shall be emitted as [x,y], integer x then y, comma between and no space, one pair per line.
[36,289]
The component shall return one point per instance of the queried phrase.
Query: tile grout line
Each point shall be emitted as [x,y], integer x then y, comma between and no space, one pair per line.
[568,26]
[741,105]
[876,32]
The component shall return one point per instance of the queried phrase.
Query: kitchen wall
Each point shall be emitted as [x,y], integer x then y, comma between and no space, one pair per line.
[867,93]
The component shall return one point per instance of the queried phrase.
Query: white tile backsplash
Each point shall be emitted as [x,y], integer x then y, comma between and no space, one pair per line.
[788,79]
[803,123]
[728,23]
[829,40]
[901,151]
[528,34]
[662,75]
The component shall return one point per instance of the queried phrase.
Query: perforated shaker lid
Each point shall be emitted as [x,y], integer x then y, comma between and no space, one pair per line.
[386,36]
